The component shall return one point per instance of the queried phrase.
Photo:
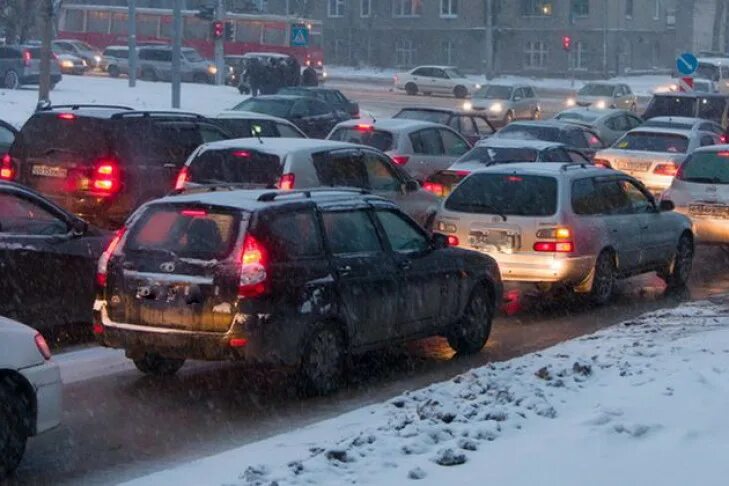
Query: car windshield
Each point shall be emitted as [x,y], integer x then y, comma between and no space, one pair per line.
[83,46]
[518,131]
[706,168]
[432,116]
[578,116]
[454,73]
[274,107]
[653,142]
[192,56]
[498,155]
[494,92]
[379,139]
[591,89]
[505,194]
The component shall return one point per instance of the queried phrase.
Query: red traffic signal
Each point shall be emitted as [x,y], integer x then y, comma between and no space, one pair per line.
[218,29]
[566,43]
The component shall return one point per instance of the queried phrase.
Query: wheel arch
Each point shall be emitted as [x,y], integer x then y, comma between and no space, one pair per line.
[17,382]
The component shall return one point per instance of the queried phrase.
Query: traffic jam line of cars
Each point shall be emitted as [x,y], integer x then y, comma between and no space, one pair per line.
[237,237]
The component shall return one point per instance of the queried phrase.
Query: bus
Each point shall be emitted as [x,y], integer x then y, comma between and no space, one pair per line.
[102,26]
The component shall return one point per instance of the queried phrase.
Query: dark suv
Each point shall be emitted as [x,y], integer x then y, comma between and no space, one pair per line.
[102,162]
[297,278]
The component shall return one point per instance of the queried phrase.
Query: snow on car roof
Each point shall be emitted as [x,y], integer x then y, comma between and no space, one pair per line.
[509,143]
[663,130]
[546,168]
[279,146]
[401,124]
[249,115]
[687,120]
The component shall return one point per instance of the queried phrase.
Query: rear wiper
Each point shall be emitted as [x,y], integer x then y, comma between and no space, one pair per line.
[488,207]
[150,249]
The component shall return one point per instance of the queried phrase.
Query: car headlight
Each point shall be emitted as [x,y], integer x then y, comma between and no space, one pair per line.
[324,74]
[67,63]
[212,69]
[97,59]
[496,108]
[477,86]
[571,102]
[601,105]
[467,105]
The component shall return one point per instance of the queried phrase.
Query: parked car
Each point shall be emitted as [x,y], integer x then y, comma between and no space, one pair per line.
[7,136]
[30,391]
[715,70]
[314,117]
[245,124]
[472,126]
[20,66]
[506,103]
[420,148]
[714,107]
[79,48]
[155,64]
[602,95]
[577,137]
[653,155]
[115,61]
[500,151]
[687,123]
[334,97]
[436,80]
[39,243]
[313,277]
[700,190]
[70,63]
[304,164]
[101,162]
[570,225]
[608,124]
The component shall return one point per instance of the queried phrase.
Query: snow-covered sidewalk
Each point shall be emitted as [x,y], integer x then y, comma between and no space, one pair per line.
[644,402]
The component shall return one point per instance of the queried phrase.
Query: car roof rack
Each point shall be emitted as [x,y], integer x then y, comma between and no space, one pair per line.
[307,193]
[573,165]
[202,188]
[78,106]
[151,113]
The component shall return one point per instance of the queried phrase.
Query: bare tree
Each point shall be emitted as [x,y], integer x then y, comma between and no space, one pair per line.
[19,18]
[717,31]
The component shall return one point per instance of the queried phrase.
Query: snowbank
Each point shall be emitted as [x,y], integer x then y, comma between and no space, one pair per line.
[643,402]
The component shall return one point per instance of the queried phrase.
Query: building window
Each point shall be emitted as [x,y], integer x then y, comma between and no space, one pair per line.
[448,52]
[657,12]
[580,8]
[629,8]
[335,8]
[341,51]
[536,8]
[449,8]
[580,56]
[404,53]
[535,55]
[407,8]
[365,8]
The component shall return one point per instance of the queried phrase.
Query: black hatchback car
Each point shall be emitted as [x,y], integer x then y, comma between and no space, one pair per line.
[47,260]
[102,162]
[328,95]
[297,278]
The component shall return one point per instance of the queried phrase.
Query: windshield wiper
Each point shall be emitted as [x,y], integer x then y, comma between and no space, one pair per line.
[150,249]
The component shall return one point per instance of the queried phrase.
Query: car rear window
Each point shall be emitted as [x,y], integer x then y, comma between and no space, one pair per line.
[424,115]
[671,106]
[237,166]
[247,128]
[706,168]
[505,194]
[48,133]
[378,139]
[279,108]
[577,116]
[157,141]
[204,234]
[653,142]
[499,155]
[530,132]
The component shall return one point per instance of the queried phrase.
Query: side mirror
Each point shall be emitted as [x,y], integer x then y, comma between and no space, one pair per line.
[410,185]
[666,205]
[79,227]
[439,241]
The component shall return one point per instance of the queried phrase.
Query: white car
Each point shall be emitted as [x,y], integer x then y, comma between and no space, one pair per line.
[30,391]
[436,79]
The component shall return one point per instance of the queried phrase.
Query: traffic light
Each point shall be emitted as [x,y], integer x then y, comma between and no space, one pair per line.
[567,43]
[218,29]
[206,13]
[229,31]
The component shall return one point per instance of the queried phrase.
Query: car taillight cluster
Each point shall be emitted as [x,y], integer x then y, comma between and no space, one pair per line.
[666,169]
[287,181]
[602,163]
[102,266]
[400,159]
[182,179]
[7,169]
[27,56]
[435,188]
[253,271]
[42,345]
[560,241]
[106,178]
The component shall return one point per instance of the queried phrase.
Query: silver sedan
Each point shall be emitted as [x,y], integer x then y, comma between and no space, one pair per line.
[609,124]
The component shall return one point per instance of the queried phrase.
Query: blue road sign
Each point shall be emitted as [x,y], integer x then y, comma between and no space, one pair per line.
[687,64]
[299,36]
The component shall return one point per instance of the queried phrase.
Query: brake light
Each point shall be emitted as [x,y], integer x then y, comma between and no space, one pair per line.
[7,171]
[723,153]
[453,240]
[66,116]
[27,57]
[364,128]
[435,188]
[514,179]
[253,274]
[400,159]
[602,163]
[554,246]
[237,342]
[666,169]
[106,178]
[462,173]
[102,266]
[241,154]
[182,179]
[194,213]
[42,345]
[286,182]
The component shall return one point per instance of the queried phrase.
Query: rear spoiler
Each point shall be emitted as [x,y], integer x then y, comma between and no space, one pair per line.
[83,106]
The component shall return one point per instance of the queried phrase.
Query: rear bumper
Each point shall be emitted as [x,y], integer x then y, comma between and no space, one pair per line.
[656,184]
[707,230]
[46,380]
[545,269]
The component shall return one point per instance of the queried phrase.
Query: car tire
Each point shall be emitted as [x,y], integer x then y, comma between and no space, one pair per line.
[411,89]
[470,333]
[113,71]
[11,80]
[13,429]
[323,360]
[460,92]
[603,281]
[154,364]
[509,117]
[149,74]
[677,275]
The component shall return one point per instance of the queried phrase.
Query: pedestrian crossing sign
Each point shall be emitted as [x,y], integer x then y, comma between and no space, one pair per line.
[299,36]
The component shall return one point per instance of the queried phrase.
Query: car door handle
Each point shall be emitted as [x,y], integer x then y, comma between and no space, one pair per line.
[344,270]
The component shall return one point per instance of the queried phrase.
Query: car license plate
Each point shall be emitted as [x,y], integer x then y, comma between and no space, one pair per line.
[49,171]
[492,241]
[709,210]
[631,166]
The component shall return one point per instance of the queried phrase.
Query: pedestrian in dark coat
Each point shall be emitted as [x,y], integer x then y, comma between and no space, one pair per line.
[308,78]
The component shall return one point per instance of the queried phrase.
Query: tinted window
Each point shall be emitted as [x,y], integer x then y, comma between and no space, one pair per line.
[274,107]
[404,237]
[574,138]
[494,92]
[555,155]
[585,198]
[505,194]
[432,116]
[235,166]
[596,196]
[246,128]
[344,168]
[317,108]
[497,155]
[453,144]
[350,233]
[706,168]
[380,174]
[192,56]
[653,142]
[158,142]
[6,136]
[427,142]
[591,89]
[291,236]
[639,202]
[712,109]
[421,72]
[46,133]
[19,216]
[483,126]
[578,157]
[287,131]
[671,106]
[530,132]
[707,140]
[378,139]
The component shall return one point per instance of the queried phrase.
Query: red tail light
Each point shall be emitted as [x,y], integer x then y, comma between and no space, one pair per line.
[462,173]
[602,163]
[435,188]
[400,159]
[182,179]
[287,182]
[66,116]
[241,154]
[42,345]
[27,57]
[364,128]
[237,342]
[666,169]
[554,246]
[106,179]
[102,266]
[7,170]
[194,213]
[453,240]
[253,274]
[723,139]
